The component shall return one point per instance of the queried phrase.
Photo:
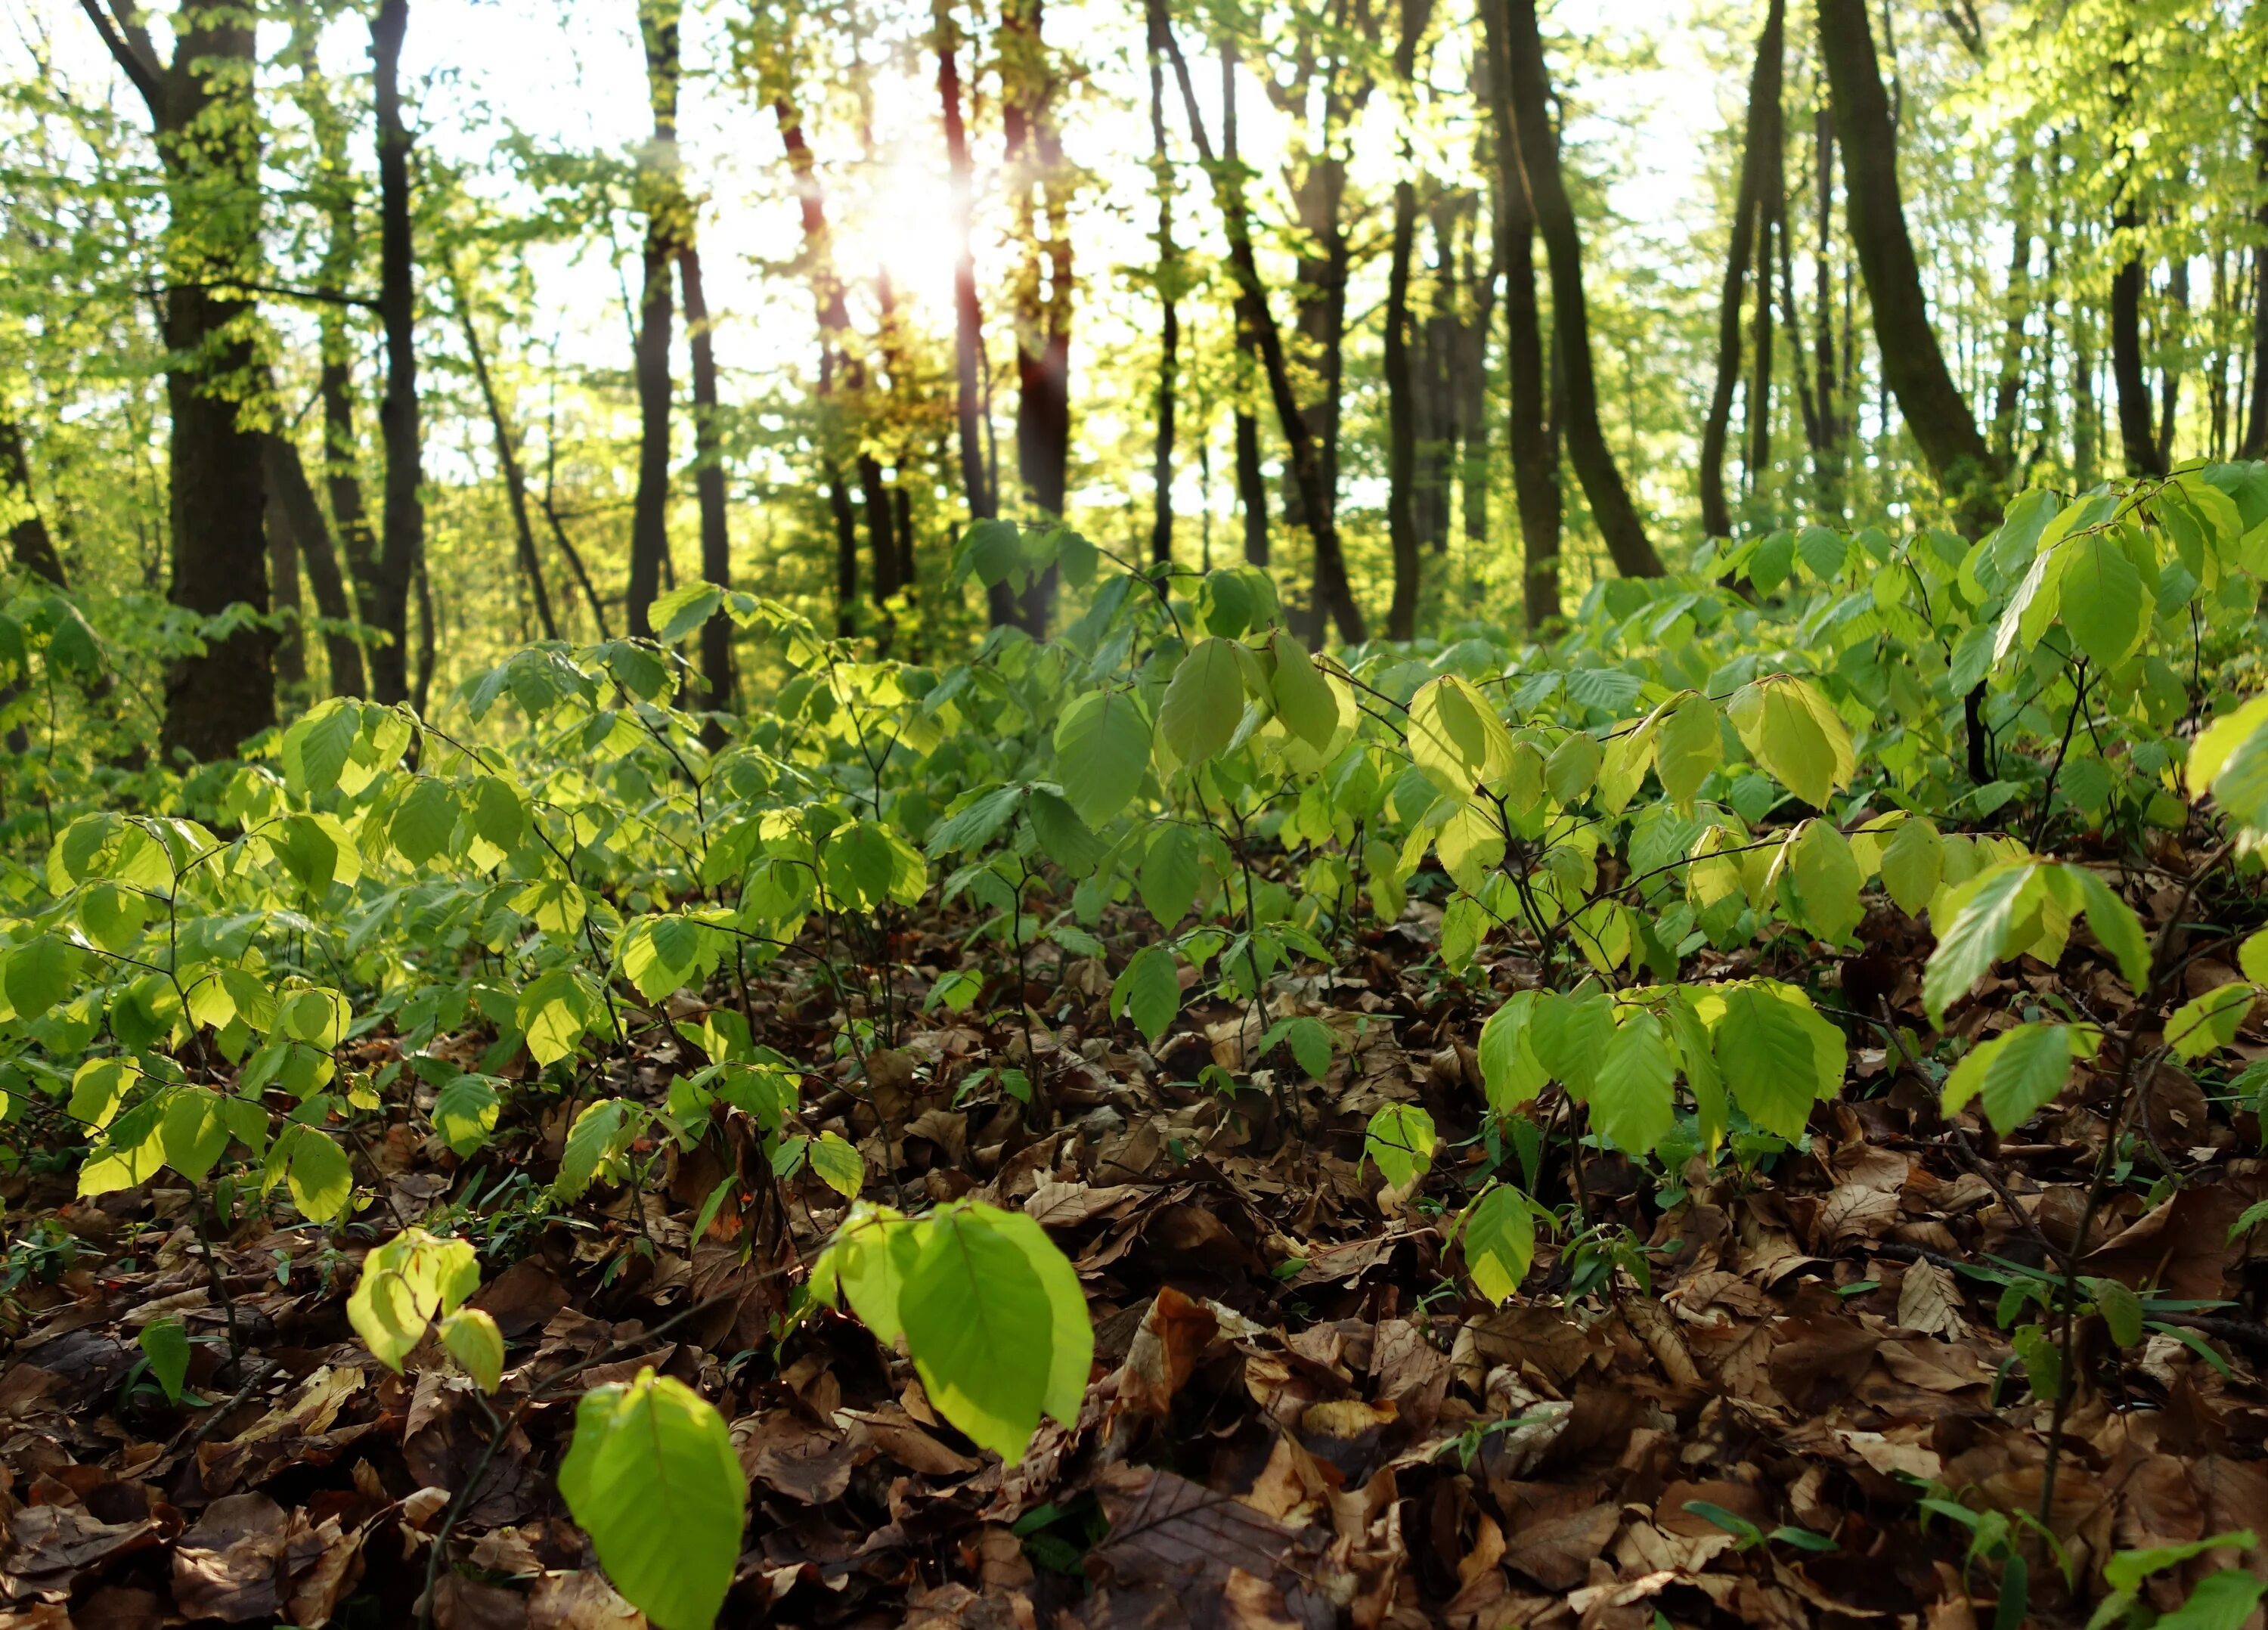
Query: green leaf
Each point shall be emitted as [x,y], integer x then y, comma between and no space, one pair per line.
[39,974]
[1455,736]
[1311,1046]
[1825,878]
[1204,702]
[684,608]
[553,1013]
[1985,912]
[867,1264]
[1064,837]
[2221,1601]
[651,1477]
[1148,990]
[315,748]
[471,1336]
[1632,1101]
[164,1342]
[422,825]
[599,1135]
[1687,745]
[407,1283]
[1569,1035]
[1102,748]
[1789,729]
[2209,1022]
[1400,1139]
[1510,1073]
[499,814]
[320,1180]
[2102,603]
[1168,880]
[1572,768]
[1304,699]
[2016,1075]
[1500,1239]
[2127,1569]
[193,1132]
[838,1165]
[464,1113]
[2120,1309]
[1771,1057]
[1912,863]
[978,1322]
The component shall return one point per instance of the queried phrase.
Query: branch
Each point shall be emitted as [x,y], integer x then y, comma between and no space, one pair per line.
[130,44]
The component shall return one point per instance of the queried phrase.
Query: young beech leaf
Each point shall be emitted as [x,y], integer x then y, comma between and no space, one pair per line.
[1510,1071]
[166,1344]
[406,1284]
[1148,992]
[1789,728]
[651,1477]
[865,1263]
[1773,1049]
[1499,1238]
[1168,879]
[1304,699]
[1400,1141]
[1981,914]
[838,1165]
[2209,1022]
[1687,746]
[1455,736]
[1204,702]
[1103,751]
[472,1340]
[2016,1075]
[996,1324]
[1633,1102]
[1912,862]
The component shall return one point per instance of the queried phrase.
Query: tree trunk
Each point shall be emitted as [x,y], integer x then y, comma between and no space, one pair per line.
[2255,442]
[31,548]
[1041,195]
[968,317]
[2136,435]
[1251,485]
[2169,336]
[1827,442]
[1337,601]
[295,497]
[401,527]
[1168,282]
[1530,436]
[2008,391]
[665,236]
[515,479]
[1716,513]
[1912,365]
[709,489]
[202,116]
[1619,525]
[283,594]
[1771,232]
[1401,434]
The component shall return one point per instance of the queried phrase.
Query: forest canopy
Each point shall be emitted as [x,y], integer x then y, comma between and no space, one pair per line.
[1134,813]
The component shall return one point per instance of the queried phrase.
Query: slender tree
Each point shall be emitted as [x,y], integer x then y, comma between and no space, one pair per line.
[31,548]
[709,488]
[1168,281]
[401,525]
[1251,485]
[2255,442]
[202,113]
[1763,78]
[515,478]
[1039,193]
[665,209]
[967,315]
[294,503]
[1538,145]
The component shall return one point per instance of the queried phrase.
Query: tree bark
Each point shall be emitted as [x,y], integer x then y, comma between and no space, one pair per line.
[1912,364]
[2255,442]
[203,117]
[1531,438]
[1827,441]
[1716,513]
[515,478]
[283,594]
[401,525]
[664,237]
[1251,485]
[1337,601]
[968,316]
[1771,232]
[295,497]
[31,547]
[2008,391]
[1401,432]
[1619,525]
[2171,313]
[2137,434]
[1041,195]
[1168,282]
[709,489]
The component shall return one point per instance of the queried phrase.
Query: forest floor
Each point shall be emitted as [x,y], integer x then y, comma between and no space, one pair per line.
[1299,1414]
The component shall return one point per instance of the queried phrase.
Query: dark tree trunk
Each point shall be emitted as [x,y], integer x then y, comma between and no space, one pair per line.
[1168,281]
[1401,432]
[968,316]
[2170,337]
[208,138]
[1619,525]
[2254,443]
[1469,373]
[1251,485]
[2137,434]
[1716,513]
[31,548]
[709,489]
[1912,365]
[1337,601]
[295,497]
[1034,155]
[1530,434]
[401,527]
[664,237]
[284,592]
[1771,234]
[1827,442]
[515,479]
[2008,390]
